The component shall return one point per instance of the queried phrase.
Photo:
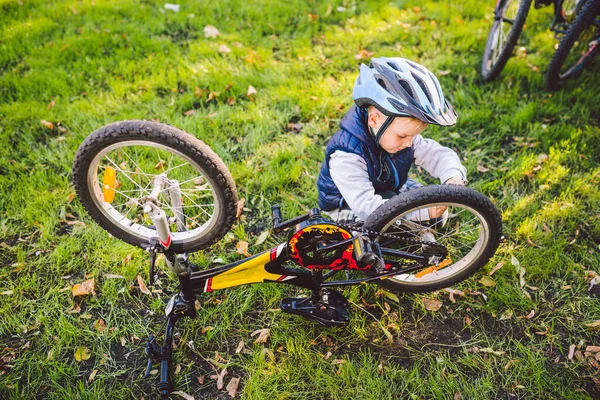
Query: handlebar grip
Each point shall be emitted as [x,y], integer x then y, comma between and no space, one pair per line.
[276,209]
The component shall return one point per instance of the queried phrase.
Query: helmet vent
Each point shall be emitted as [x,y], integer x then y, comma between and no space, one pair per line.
[382,83]
[394,66]
[406,86]
[422,85]
[415,66]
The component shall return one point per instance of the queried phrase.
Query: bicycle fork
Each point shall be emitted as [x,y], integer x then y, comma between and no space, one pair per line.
[182,304]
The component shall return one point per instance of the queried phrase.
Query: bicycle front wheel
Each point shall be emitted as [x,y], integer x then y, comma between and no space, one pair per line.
[116,169]
[577,48]
[509,18]
[461,219]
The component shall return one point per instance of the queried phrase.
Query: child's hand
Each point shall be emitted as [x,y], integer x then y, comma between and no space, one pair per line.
[456,180]
[436,212]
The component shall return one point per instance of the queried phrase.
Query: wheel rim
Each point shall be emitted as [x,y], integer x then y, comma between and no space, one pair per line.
[465,234]
[584,46]
[500,31]
[137,163]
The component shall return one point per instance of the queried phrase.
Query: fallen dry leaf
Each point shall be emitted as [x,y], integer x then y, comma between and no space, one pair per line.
[506,314]
[177,369]
[487,350]
[262,237]
[92,375]
[476,293]
[142,285]
[242,248]
[481,168]
[82,354]
[389,295]
[338,361]
[113,276]
[380,367]
[528,316]
[100,325]
[189,112]
[571,352]
[240,347]
[509,364]
[432,304]
[263,335]
[86,287]
[592,349]
[184,395]
[251,90]
[47,124]
[219,377]
[211,32]
[487,281]
[232,386]
[497,267]
[364,55]
[240,207]
[543,333]
[224,49]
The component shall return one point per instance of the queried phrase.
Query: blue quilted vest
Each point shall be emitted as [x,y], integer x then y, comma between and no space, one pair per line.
[354,137]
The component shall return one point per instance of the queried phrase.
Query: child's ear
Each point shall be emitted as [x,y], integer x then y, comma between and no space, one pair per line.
[374,119]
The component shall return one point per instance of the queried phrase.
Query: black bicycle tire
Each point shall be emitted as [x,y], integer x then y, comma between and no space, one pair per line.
[489,74]
[584,18]
[434,194]
[215,171]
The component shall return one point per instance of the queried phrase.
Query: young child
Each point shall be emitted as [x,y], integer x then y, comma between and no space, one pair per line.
[368,159]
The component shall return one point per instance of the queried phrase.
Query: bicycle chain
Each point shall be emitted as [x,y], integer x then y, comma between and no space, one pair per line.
[389,235]
[408,240]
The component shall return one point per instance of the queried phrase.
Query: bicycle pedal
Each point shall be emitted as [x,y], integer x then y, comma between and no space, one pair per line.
[330,310]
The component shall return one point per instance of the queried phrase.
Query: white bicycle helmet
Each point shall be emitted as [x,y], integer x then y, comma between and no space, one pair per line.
[399,88]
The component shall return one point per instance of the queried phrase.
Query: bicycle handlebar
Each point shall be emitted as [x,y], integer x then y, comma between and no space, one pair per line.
[279,226]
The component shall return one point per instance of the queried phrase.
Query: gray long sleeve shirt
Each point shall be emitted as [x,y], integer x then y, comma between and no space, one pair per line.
[350,175]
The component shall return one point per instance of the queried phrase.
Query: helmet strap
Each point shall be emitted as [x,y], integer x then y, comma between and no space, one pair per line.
[381,130]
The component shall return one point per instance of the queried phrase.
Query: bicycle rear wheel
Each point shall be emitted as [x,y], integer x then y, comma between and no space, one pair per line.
[470,229]
[577,48]
[509,18]
[117,167]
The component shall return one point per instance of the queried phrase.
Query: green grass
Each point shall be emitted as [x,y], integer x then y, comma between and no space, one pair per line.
[98,62]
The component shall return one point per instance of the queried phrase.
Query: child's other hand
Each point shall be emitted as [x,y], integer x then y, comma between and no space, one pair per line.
[456,180]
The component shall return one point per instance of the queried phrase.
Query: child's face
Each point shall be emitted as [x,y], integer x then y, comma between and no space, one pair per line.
[400,134]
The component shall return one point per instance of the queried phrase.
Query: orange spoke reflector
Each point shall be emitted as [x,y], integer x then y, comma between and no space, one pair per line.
[109,184]
[433,268]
